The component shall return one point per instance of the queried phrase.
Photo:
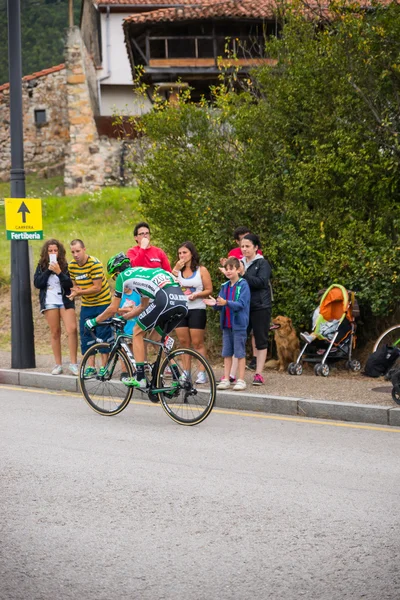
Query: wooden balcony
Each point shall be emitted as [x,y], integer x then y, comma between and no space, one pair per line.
[173,63]
[207,52]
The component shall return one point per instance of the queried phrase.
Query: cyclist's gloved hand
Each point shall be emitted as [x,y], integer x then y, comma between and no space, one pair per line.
[90,323]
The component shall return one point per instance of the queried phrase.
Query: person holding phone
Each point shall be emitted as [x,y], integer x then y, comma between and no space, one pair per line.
[54,284]
[196,284]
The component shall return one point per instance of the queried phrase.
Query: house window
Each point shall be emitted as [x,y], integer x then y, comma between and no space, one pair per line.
[40,116]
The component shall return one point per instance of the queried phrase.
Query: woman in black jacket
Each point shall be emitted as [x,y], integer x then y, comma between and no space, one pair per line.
[53,281]
[257,275]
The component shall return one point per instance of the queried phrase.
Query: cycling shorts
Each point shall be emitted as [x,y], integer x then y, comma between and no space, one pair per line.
[166,311]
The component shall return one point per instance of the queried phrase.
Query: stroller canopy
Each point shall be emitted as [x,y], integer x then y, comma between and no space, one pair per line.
[335,304]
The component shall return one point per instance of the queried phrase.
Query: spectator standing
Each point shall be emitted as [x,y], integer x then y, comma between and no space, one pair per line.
[90,284]
[234,303]
[53,280]
[196,284]
[257,275]
[144,254]
[238,235]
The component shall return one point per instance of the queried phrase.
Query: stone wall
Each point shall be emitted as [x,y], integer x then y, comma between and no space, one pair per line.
[91,162]
[45,143]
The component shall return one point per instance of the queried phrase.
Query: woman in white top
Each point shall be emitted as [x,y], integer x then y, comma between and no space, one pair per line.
[195,282]
[53,281]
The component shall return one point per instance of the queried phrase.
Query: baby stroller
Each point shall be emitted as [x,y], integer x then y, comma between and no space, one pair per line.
[333,335]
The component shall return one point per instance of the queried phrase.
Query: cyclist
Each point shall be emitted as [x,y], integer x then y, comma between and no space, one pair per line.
[161,299]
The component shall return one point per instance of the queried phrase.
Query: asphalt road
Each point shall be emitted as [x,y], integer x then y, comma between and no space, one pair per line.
[240,507]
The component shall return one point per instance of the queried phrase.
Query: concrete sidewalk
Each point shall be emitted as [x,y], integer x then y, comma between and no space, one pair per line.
[267,403]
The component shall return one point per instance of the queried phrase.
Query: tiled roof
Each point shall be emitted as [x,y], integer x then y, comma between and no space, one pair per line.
[246,9]
[152,4]
[36,75]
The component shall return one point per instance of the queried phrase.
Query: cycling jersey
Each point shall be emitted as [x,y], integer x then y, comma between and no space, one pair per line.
[146,282]
[160,286]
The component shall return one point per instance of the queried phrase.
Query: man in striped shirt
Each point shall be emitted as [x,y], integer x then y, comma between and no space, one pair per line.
[90,284]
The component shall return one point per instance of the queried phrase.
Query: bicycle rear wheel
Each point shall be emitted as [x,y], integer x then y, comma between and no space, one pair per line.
[107,395]
[390,337]
[188,400]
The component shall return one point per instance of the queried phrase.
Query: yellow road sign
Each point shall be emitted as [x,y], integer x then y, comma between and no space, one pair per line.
[24,218]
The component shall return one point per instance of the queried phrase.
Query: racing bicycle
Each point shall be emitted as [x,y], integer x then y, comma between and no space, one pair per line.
[171,379]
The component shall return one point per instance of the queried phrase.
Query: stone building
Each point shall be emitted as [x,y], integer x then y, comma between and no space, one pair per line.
[46,129]
[91,160]
[61,134]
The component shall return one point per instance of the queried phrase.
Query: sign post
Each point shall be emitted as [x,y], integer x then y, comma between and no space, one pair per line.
[22,337]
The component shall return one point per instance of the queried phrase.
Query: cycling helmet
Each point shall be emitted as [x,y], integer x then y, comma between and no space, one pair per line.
[118,263]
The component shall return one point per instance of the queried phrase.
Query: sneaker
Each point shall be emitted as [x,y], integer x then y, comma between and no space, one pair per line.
[252,365]
[185,376]
[102,372]
[232,379]
[239,385]
[90,372]
[57,370]
[307,337]
[224,384]
[124,375]
[201,378]
[258,379]
[73,368]
[133,382]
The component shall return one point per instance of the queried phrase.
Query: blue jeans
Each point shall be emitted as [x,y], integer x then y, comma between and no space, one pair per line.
[101,331]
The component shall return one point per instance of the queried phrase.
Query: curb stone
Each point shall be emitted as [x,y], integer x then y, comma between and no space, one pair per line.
[270,404]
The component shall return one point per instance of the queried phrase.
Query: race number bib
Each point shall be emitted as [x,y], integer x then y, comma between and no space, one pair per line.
[169,343]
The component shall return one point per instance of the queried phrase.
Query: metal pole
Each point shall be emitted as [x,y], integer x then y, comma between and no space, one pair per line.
[22,338]
[71,13]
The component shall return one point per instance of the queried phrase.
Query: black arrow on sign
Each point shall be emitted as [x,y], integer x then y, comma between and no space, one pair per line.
[23,209]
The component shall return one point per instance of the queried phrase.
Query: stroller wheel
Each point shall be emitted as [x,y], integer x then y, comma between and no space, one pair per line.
[355,365]
[292,368]
[298,370]
[321,369]
[396,393]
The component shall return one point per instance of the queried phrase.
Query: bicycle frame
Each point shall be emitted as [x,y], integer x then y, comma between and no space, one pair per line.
[119,342]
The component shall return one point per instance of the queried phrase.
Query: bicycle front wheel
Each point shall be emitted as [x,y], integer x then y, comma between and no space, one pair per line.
[189,396]
[390,337]
[106,394]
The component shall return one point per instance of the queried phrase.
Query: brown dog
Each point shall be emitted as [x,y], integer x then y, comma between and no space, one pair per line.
[286,340]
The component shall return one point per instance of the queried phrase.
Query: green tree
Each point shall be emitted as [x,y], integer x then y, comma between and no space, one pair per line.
[306,154]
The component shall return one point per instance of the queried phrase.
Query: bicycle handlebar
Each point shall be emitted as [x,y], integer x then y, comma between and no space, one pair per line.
[117,322]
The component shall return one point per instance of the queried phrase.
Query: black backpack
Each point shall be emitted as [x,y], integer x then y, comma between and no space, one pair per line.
[381,361]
